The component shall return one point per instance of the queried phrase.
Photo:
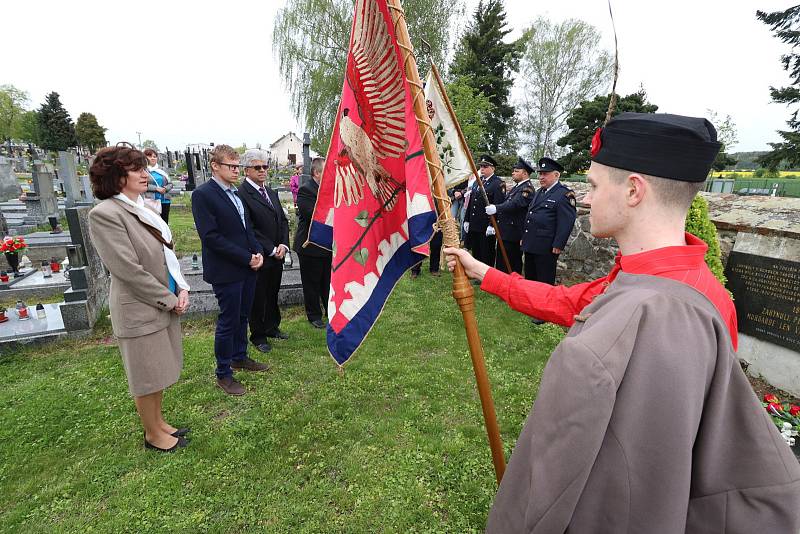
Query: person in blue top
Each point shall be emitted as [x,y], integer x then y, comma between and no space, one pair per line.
[551,216]
[159,185]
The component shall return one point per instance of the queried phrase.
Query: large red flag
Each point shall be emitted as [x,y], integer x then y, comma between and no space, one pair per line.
[374,209]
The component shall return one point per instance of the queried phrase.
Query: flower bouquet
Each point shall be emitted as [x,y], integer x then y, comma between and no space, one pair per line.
[11,247]
[785,416]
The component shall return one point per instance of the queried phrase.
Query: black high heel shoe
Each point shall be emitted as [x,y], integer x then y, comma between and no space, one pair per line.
[182,442]
[181,432]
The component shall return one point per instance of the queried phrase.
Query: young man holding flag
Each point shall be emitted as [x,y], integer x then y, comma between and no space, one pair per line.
[644,420]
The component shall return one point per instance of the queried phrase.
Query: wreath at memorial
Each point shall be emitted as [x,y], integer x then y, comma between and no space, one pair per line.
[785,416]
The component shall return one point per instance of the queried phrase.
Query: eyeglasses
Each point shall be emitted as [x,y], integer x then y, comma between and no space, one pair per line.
[259,167]
[231,166]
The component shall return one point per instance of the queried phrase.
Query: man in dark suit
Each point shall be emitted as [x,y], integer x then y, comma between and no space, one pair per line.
[315,262]
[272,231]
[480,233]
[511,215]
[548,223]
[231,257]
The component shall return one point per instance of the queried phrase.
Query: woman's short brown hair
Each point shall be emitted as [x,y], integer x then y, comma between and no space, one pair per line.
[111,167]
[150,152]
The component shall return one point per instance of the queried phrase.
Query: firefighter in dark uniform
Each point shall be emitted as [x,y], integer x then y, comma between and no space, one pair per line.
[480,233]
[550,219]
[511,215]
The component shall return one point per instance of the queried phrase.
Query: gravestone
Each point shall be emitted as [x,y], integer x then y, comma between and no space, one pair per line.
[69,177]
[41,203]
[763,274]
[9,186]
[86,185]
[306,176]
[89,281]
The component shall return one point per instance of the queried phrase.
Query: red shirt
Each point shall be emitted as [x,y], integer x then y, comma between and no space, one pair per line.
[560,304]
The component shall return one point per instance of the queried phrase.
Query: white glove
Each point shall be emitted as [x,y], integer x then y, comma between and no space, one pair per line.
[489,231]
[466,227]
[491,209]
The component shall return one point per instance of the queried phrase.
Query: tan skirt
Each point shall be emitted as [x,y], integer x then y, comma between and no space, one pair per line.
[153,362]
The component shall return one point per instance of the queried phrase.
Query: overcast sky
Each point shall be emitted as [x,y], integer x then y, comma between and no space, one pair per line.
[193,72]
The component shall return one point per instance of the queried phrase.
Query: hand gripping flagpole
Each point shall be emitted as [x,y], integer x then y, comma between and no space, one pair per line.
[462,289]
[464,146]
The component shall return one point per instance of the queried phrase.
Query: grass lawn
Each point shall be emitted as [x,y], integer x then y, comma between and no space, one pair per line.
[394,444]
[184,233]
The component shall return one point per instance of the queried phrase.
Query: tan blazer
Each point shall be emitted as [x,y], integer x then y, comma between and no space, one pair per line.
[140,299]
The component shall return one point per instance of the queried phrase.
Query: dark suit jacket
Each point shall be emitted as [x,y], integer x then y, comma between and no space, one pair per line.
[227,245]
[550,219]
[269,223]
[511,213]
[306,200]
[476,210]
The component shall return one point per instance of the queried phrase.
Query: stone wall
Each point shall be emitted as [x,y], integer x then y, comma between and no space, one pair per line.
[587,257]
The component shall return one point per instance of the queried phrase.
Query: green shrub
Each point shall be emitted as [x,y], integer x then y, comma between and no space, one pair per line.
[699,224]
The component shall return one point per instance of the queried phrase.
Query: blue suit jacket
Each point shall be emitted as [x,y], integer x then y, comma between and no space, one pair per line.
[511,213]
[549,221]
[227,245]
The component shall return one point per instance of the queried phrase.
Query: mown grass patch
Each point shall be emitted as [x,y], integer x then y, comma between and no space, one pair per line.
[396,443]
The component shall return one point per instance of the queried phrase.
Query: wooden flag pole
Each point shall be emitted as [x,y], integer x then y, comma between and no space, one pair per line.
[462,289]
[474,170]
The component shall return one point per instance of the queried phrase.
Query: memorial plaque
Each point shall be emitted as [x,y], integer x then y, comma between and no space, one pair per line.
[766,292]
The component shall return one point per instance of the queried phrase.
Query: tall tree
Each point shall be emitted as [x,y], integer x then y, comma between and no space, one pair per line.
[56,130]
[786,27]
[586,118]
[149,143]
[472,109]
[12,106]
[310,39]
[27,127]
[488,63]
[562,66]
[90,134]
[727,136]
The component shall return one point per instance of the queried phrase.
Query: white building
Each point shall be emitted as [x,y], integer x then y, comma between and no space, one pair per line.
[288,150]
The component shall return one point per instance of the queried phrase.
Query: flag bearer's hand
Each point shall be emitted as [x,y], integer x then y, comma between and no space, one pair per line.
[474,269]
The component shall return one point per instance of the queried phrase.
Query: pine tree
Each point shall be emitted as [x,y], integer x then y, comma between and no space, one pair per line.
[786,27]
[584,120]
[56,130]
[89,133]
[487,62]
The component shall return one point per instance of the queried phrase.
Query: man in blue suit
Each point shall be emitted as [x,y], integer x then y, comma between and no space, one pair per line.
[551,216]
[231,257]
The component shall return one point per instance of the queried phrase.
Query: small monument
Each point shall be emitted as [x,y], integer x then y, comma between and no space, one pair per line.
[41,203]
[9,186]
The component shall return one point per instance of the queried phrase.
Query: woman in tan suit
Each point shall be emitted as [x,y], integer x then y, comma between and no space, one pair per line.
[148,292]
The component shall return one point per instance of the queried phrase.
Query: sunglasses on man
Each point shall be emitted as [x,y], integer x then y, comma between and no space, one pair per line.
[259,167]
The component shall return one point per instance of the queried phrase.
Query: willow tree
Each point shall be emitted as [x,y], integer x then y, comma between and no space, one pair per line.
[310,40]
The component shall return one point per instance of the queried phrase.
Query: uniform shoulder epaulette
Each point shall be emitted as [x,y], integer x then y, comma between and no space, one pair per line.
[570,196]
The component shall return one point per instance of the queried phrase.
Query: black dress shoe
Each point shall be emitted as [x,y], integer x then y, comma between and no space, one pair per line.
[534,320]
[182,442]
[317,323]
[263,347]
[180,432]
[277,334]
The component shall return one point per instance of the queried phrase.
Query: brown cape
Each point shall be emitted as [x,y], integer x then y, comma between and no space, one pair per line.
[645,422]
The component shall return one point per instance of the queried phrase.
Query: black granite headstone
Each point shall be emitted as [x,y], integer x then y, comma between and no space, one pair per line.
[766,292]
